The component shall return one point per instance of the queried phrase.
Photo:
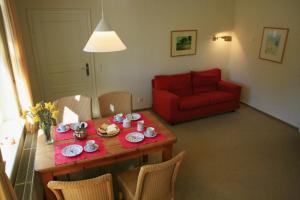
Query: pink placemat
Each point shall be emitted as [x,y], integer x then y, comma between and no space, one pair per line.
[60,159]
[147,121]
[127,144]
[69,134]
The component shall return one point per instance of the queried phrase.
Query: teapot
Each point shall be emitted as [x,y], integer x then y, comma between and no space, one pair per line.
[80,133]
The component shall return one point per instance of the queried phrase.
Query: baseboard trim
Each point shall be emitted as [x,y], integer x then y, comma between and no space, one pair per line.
[142,109]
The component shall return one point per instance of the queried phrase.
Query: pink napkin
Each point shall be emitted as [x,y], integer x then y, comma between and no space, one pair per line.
[121,136]
[147,122]
[69,134]
[60,159]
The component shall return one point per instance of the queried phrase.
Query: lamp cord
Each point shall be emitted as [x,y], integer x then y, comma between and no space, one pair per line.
[102,9]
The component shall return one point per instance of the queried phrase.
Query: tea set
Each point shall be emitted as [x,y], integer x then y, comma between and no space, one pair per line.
[76,149]
[91,146]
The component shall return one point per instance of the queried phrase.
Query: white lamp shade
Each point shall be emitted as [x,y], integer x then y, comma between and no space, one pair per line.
[104,41]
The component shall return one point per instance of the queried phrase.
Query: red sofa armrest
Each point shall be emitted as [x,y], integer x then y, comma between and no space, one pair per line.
[230,87]
[165,103]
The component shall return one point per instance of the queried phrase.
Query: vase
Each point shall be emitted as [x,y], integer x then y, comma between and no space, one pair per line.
[46,127]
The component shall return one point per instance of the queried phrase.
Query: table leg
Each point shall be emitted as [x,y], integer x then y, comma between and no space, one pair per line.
[167,153]
[46,177]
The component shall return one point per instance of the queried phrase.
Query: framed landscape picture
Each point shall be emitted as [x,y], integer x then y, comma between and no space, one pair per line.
[273,44]
[183,42]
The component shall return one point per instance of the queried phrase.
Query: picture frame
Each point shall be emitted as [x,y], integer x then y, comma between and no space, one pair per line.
[183,42]
[273,44]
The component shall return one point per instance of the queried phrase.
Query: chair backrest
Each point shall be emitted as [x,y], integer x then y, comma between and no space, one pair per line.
[157,181]
[6,189]
[74,108]
[99,188]
[115,102]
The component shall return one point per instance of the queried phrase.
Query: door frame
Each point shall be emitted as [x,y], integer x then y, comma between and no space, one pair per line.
[30,14]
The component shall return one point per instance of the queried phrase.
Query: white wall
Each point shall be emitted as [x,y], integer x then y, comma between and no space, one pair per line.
[267,86]
[145,27]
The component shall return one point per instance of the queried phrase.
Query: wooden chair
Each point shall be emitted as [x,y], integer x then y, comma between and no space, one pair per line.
[74,108]
[152,182]
[115,102]
[6,190]
[99,188]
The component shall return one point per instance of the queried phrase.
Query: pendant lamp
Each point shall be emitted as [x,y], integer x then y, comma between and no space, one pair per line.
[104,39]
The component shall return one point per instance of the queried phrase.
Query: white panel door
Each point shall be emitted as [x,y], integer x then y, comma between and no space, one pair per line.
[58,38]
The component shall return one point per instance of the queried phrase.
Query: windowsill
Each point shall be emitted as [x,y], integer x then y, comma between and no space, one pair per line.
[11,129]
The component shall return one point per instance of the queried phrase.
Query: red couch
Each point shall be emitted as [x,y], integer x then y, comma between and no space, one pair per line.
[181,97]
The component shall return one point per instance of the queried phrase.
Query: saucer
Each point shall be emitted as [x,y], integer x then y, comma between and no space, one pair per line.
[88,149]
[118,121]
[150,136]
[62,131]
[135,116]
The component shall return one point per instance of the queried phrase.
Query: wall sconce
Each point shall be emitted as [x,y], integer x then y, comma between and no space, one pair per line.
[225,38]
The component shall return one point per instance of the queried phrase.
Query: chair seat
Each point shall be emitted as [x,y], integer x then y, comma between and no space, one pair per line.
[128,182]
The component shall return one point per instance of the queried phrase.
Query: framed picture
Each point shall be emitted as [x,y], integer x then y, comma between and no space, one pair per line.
[183,42]
[273,44]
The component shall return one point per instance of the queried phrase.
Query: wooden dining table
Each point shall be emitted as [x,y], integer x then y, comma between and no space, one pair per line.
[45,154]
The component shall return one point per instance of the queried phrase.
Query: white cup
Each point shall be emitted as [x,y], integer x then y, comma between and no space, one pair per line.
[150,131]
[126,123]
[91,144]
[140,125]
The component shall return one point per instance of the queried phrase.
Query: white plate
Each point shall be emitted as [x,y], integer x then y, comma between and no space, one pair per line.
[62,131]
[72,150]
[79,125]
[89,150]
[134,137]
[135,116]
[150,136]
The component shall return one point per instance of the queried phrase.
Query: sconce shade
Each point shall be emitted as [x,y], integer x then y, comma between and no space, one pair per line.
[104,39]
[225,38]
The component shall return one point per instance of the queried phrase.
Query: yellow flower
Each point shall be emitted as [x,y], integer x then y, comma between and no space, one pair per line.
[38,106]
[53,107]
[55,114]
[48,105]
[36,118]
[33,110]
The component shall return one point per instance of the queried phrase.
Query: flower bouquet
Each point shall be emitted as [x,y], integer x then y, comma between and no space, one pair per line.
[45,114]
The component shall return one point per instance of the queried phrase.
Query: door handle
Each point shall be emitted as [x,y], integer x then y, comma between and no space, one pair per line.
[87,69]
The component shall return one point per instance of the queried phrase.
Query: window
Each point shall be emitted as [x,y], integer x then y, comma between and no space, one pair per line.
[8,103]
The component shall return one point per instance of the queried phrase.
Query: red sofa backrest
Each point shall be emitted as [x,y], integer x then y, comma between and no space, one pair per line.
[205,81]
[179,84]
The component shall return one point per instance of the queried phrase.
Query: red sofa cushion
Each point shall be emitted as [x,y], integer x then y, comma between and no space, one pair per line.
[220,97]
[204,99]
[194,101]
[205,81]
[179,84]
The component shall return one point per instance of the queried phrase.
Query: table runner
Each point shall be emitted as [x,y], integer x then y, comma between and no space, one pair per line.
[69,134]
[60,159]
